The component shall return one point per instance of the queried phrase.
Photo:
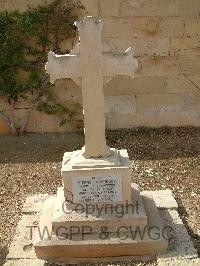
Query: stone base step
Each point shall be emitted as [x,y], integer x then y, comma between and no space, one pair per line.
[96,216]
[81,244]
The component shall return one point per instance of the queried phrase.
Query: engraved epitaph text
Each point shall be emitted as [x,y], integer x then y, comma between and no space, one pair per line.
[104,189]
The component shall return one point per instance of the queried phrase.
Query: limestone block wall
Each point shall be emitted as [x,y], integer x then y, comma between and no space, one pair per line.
[165,35]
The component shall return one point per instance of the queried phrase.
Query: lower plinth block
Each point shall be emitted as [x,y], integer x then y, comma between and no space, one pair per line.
[80,242]
[96,216]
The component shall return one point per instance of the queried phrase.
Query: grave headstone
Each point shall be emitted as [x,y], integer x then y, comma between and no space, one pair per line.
[97,206]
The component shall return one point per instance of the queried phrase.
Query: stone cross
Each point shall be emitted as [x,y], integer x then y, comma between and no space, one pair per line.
[89,62]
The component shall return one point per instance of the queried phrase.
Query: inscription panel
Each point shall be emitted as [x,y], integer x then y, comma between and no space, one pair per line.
[97,189]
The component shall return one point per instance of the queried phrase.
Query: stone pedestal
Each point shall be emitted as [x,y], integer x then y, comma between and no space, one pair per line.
[97,180]
[98,213]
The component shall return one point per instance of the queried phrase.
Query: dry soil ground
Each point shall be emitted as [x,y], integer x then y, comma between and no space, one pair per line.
[163,158]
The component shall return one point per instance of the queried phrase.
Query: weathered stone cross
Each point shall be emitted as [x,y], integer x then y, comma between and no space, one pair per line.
[92,65]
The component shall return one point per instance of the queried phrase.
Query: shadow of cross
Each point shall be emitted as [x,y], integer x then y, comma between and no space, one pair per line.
[91,65]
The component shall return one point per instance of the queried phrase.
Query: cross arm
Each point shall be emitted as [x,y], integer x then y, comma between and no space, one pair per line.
[119,64]
[63,66]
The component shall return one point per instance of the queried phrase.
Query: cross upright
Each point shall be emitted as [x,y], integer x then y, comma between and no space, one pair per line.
[91,64]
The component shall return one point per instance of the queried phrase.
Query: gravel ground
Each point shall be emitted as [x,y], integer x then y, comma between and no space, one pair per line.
[162,158]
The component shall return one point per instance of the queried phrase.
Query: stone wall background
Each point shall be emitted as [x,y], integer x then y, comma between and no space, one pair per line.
[165,35]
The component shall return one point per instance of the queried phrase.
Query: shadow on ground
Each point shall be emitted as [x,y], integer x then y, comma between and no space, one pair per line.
[3,254]
[32,148]
[142,144]
[185,217]
[157,144]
